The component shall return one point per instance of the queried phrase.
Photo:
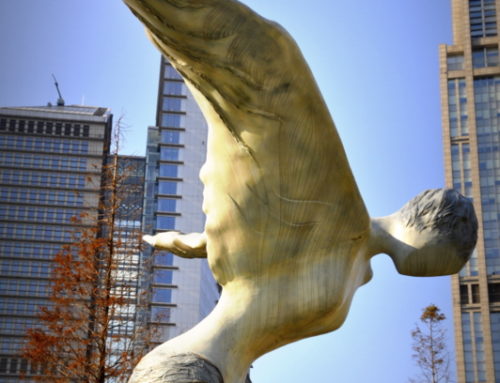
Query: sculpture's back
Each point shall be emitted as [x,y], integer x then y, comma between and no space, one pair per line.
[276,168]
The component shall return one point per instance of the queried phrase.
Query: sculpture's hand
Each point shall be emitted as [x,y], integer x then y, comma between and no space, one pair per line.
[191,245]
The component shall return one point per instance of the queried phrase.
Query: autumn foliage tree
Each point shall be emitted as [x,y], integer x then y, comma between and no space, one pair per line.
[429,345]
[87,333]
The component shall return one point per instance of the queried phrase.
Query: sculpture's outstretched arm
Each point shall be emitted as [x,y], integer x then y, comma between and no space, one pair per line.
[191,245]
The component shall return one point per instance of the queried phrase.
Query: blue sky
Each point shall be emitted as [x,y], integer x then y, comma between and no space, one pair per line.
[376,63]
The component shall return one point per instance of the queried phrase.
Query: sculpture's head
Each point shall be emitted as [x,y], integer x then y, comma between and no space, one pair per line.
[433,234]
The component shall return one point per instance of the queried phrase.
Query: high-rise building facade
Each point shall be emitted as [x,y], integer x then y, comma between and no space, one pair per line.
[180,291]
[51,162]
[127,236]
[470,93]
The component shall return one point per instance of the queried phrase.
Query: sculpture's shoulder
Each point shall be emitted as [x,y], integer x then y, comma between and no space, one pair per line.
[180,368]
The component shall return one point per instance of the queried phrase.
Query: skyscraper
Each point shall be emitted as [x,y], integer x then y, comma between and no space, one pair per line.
[51,161]
[180,291]
[470,93]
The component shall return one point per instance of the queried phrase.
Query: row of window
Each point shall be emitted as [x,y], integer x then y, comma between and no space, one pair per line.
[11,346]
[44,144]
[35,213]
[36,232]
[118,330]
[44,127]
[469,294]
[125,291]
[482,14]
[17,326]
[33,178]
[13,268]
[29,250]
[15,306]
[36,161]
[481,58]
[16,366]
[41,197]
[27,288]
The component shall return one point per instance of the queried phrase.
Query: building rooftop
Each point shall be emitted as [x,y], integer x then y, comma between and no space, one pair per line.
[72,112]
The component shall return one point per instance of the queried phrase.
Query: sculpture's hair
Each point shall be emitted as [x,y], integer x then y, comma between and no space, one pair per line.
[446,211]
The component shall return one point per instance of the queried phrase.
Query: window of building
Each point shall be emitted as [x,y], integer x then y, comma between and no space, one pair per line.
[175,88]
[485,57]
[165,222]
[173,120]
[457,108]
[170,154]
[167,204]
[171,137]
[162,295]
[171,73]
[160,314]
[163,276]
[164,258]
[474,288]
[464,294]
[169,170]
[176,104]
[168,187]
[494,292]
[12,125]
[455,62]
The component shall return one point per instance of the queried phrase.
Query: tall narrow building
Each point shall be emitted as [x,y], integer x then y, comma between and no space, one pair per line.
[51,161]
[470,93]
[180,292]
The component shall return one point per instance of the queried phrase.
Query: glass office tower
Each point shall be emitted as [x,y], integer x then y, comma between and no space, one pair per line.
[180,292]
[470,91]
[128,238]
[51,161]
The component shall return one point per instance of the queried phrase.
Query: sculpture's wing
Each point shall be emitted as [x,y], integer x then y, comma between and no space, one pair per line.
[249,76]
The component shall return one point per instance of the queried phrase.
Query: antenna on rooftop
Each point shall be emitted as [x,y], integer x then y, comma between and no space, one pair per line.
[60,100]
